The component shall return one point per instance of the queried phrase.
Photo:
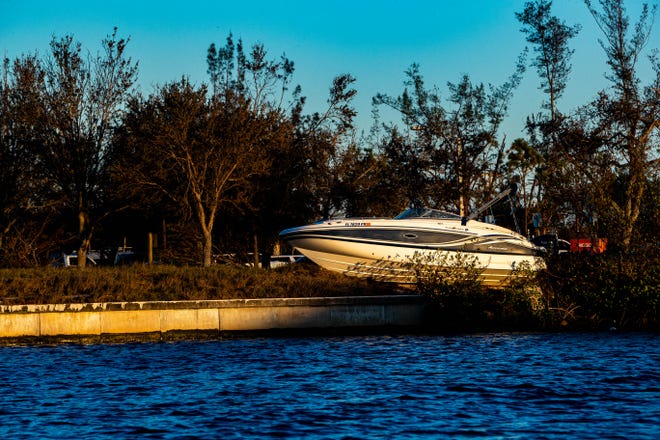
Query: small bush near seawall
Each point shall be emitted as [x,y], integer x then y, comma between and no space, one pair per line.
[576,291]
[458,301]
[604,291]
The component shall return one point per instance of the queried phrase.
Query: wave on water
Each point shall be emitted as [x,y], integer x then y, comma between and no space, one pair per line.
[413,386]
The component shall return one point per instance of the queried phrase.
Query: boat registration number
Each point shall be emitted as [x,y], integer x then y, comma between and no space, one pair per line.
[357,224]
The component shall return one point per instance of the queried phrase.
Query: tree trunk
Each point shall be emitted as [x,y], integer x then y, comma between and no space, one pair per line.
[255,244]
[85,236]
[150,248]
[208,247]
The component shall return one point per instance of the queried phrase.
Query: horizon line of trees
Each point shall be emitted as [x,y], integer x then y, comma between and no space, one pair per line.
[219,168]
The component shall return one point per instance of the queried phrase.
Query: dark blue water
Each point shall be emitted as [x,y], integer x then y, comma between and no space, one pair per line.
[489,386]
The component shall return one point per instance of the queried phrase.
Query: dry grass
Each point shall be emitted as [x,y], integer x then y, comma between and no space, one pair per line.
[170,283]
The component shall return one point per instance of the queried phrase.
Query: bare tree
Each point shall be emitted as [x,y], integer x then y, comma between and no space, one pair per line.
[201,152]
[220,151]
[84,100]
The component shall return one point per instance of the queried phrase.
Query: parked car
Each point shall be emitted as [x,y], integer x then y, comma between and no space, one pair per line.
[283,260]
[552,243]
[277,260]
[71,260]
[125,256]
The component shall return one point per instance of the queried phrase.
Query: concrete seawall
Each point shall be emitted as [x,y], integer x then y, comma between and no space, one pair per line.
[158,319]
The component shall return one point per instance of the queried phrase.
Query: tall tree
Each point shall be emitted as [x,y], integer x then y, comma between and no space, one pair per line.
[232,150]
[305,179]
[627,116]
[258,80]
[460,136]
[210,149]
[320,137]
[21,192]
[549,37]
[263,85]
[84,100]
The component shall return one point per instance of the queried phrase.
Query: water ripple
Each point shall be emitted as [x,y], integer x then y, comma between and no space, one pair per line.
[462,386]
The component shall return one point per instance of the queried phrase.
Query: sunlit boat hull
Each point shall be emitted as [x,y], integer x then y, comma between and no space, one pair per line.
[384,249]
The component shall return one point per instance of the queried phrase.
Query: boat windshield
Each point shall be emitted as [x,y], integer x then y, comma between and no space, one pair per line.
[425,213]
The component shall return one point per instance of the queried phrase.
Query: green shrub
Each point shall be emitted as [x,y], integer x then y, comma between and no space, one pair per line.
[459,301]
[604,291]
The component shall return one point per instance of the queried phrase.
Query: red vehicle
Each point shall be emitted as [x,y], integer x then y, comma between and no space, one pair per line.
[593,246]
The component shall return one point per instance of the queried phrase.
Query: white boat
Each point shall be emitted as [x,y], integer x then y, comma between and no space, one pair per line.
[383,249]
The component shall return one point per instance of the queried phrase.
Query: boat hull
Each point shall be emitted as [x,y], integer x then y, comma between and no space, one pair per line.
[396,265]
[386,252]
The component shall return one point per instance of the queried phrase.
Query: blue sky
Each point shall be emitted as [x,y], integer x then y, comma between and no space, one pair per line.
[375,41]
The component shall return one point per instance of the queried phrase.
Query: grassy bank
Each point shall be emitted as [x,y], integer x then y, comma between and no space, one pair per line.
[575,292]
[170,283]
